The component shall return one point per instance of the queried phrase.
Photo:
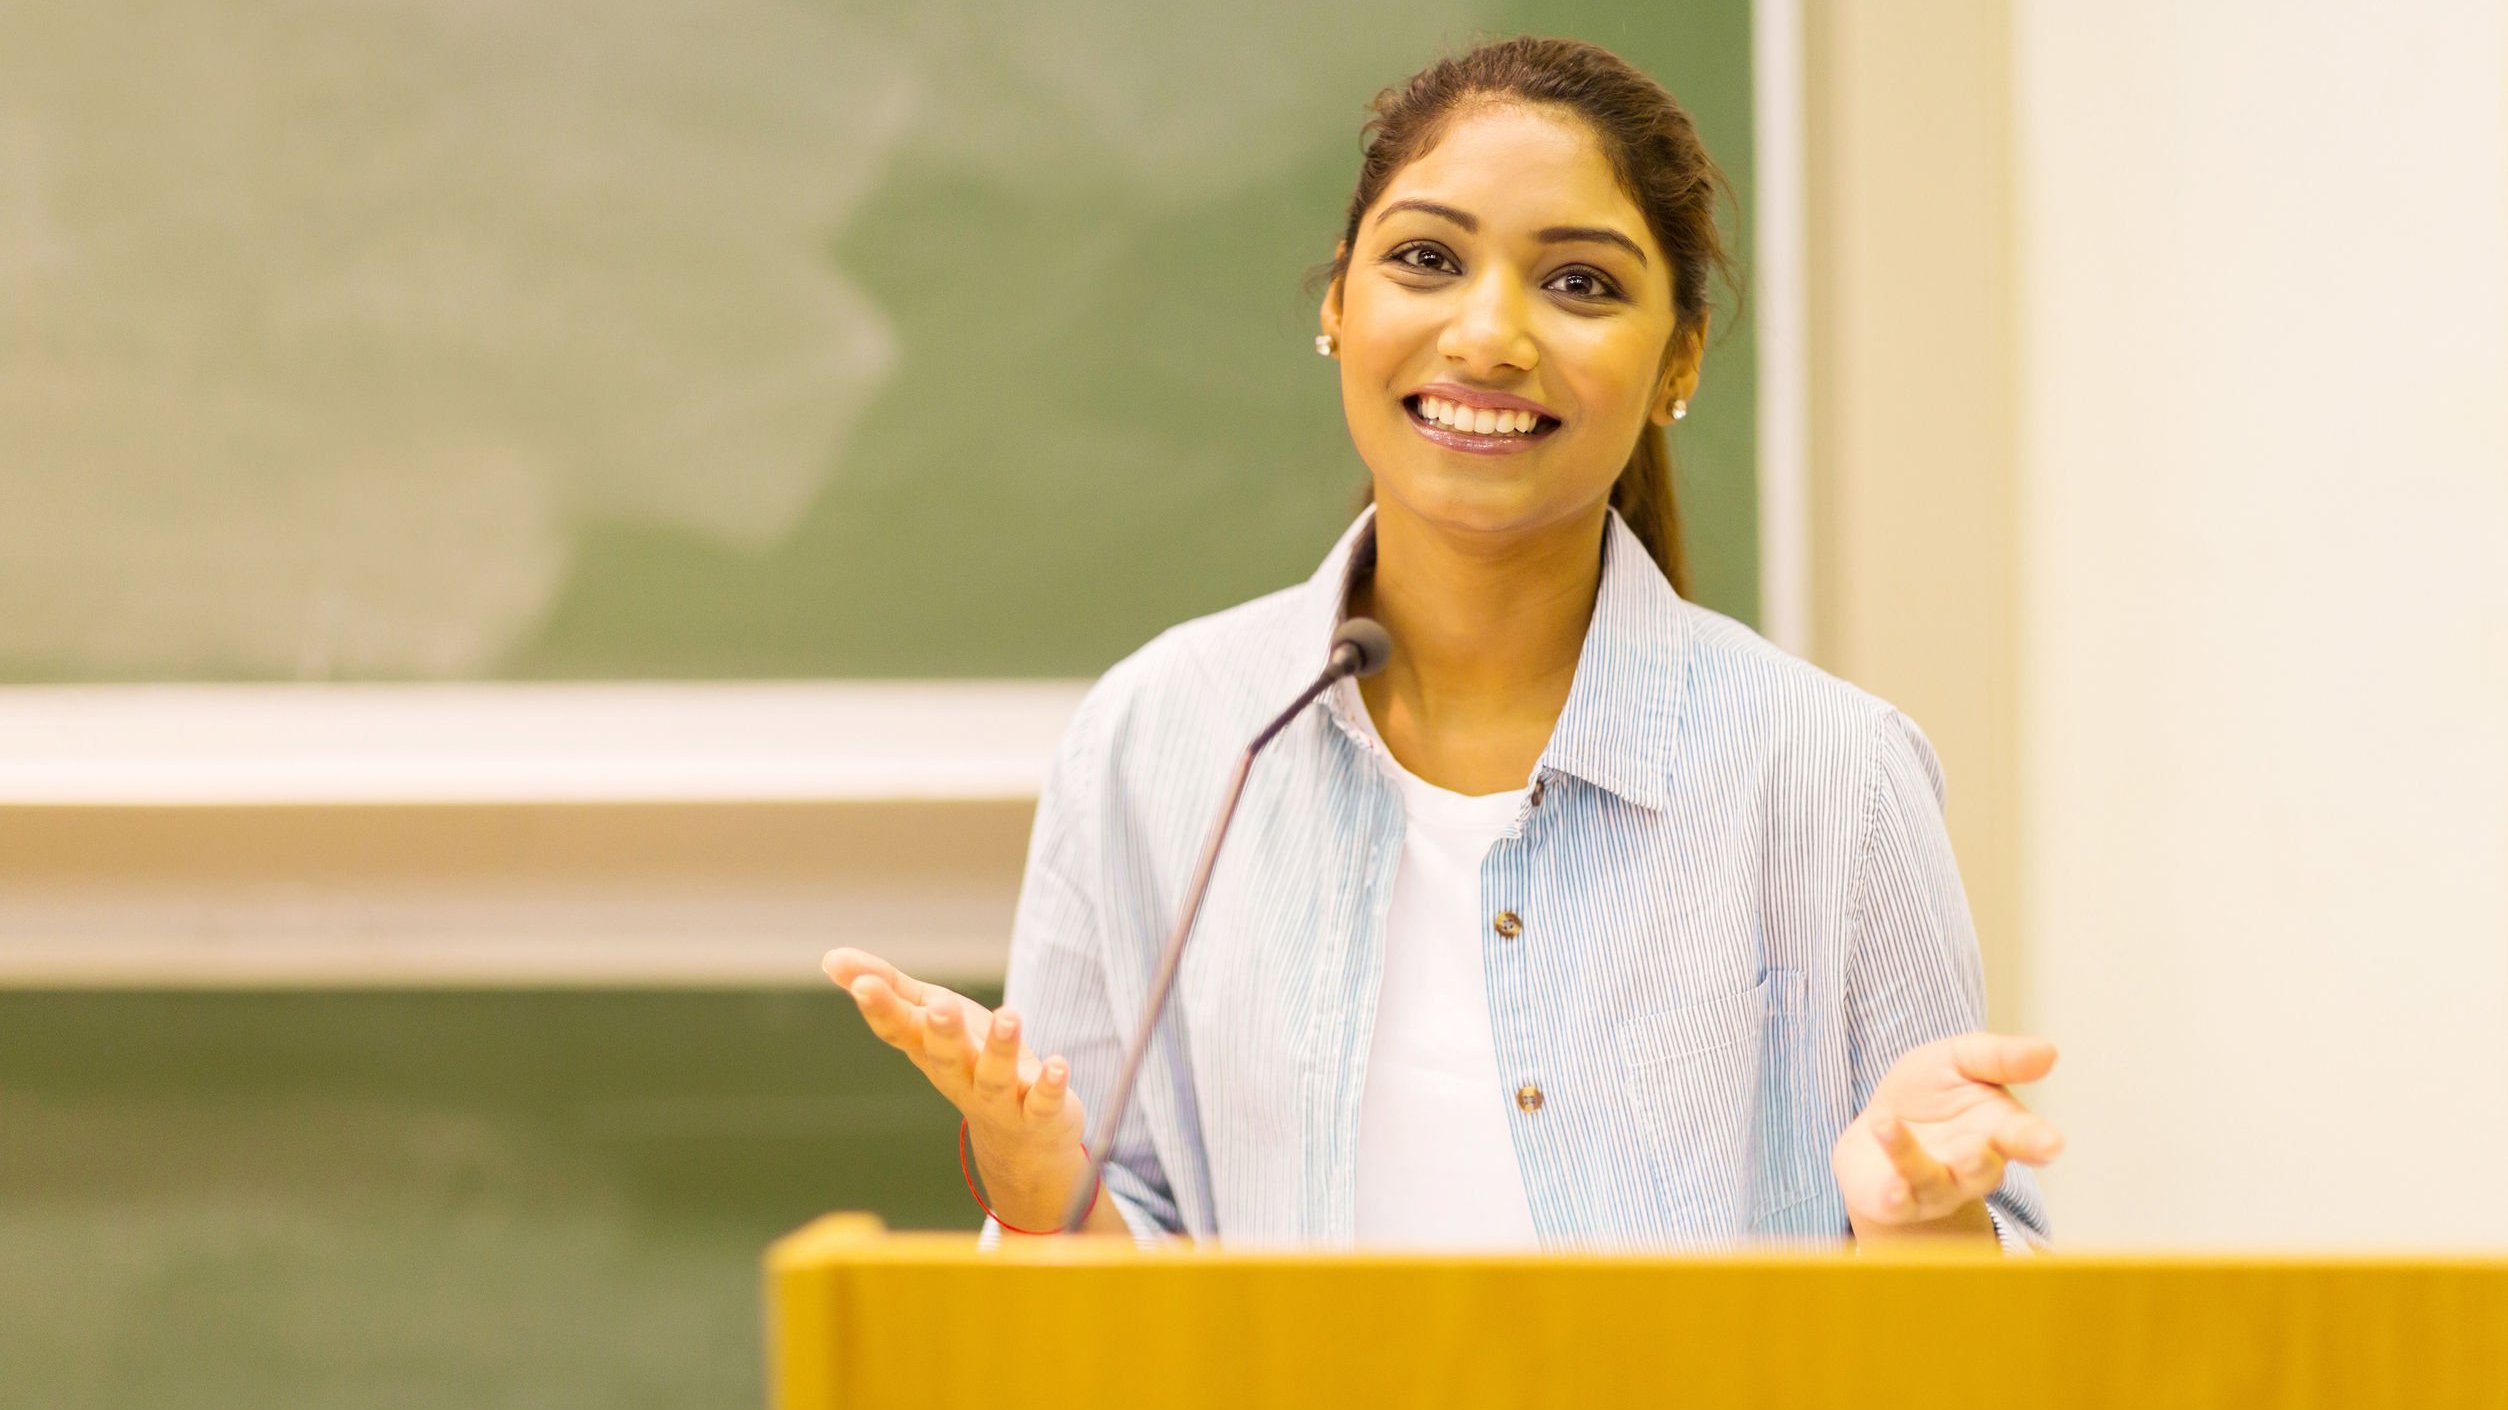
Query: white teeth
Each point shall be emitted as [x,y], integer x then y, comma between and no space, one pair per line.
[1479,421]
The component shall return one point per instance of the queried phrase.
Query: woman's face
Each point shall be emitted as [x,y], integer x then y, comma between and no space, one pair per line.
[1504,281]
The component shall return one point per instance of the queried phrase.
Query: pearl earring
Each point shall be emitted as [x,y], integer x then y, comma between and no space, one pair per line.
[1324,345]
[1679,410]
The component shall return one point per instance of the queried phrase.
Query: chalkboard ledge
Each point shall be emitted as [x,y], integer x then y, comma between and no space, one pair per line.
[335,745]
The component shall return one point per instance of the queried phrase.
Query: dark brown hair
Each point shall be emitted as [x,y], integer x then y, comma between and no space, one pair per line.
[1653,147]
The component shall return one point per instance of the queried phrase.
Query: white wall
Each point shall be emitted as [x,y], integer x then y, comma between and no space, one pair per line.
[2263,286]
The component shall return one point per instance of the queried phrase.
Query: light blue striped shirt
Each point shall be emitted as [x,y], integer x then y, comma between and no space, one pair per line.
[1732,900]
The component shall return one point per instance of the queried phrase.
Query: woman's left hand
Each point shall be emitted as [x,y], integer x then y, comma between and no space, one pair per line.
[1940,1126]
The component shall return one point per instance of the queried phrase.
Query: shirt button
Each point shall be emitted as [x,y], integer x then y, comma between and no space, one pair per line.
[1509,924]
[1528,1097]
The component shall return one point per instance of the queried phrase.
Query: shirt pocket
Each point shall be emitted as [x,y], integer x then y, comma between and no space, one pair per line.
[1704,1084]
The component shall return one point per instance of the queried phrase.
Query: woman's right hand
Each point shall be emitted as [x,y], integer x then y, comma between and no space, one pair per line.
[1024,1122]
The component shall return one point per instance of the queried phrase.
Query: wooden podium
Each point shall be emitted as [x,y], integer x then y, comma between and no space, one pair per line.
[860,1317]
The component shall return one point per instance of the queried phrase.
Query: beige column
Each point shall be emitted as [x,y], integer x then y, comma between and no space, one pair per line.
[1912,334]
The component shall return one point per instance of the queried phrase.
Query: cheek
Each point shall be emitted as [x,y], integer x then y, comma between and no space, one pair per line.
[1380,338]
[1380,347]
[1611,372]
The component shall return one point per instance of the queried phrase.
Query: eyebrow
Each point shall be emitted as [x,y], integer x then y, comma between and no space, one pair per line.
[1601,234]
[1549,235]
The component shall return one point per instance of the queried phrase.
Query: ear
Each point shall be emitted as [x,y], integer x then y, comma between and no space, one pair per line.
[1680,373]
[1330,315]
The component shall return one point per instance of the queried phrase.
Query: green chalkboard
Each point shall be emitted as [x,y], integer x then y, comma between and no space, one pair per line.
[754,339]
[431,1201]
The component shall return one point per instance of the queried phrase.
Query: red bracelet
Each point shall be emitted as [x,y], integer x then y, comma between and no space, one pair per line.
[969,1171]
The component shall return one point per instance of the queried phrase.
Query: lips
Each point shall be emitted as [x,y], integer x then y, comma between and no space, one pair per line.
[1430,415]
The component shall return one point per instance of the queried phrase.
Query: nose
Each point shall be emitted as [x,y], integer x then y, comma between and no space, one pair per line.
[1489,331]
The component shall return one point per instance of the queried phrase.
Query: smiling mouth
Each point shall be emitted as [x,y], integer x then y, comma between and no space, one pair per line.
[1475,428]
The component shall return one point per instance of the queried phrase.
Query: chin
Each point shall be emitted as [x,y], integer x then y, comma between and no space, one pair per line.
[1479,494]
[1481,503]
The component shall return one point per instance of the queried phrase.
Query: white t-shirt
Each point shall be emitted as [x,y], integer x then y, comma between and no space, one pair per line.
[1436,1163]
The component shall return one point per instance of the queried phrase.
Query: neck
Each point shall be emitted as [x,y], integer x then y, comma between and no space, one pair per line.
[1487,633]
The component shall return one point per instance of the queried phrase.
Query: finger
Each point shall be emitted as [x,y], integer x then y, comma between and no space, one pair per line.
[1976,1172]
[845,965]
[1053,1083]
[1928,1185]
[2001,1059]
[2028,1138]
[889,1016]
[997,1066]
[946,1046]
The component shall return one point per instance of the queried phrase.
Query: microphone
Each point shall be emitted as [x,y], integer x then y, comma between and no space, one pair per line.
[1360,648]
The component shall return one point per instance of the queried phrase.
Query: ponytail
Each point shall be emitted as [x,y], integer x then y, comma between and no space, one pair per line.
[1643,495]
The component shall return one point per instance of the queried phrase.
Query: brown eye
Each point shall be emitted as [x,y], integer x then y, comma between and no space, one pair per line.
[1428,259]
[1584,284]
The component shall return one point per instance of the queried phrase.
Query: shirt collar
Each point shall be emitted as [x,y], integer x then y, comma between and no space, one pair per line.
[1618,730]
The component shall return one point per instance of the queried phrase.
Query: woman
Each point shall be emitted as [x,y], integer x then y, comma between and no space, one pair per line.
[1593,919]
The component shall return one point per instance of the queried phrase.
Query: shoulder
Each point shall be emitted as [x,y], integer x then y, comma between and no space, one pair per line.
[1794,723]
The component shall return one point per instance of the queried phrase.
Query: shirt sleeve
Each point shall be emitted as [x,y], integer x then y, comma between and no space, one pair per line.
[1057,974]
[1913,974]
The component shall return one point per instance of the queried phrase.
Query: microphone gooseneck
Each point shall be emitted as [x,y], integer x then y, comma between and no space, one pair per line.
[1359,648]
